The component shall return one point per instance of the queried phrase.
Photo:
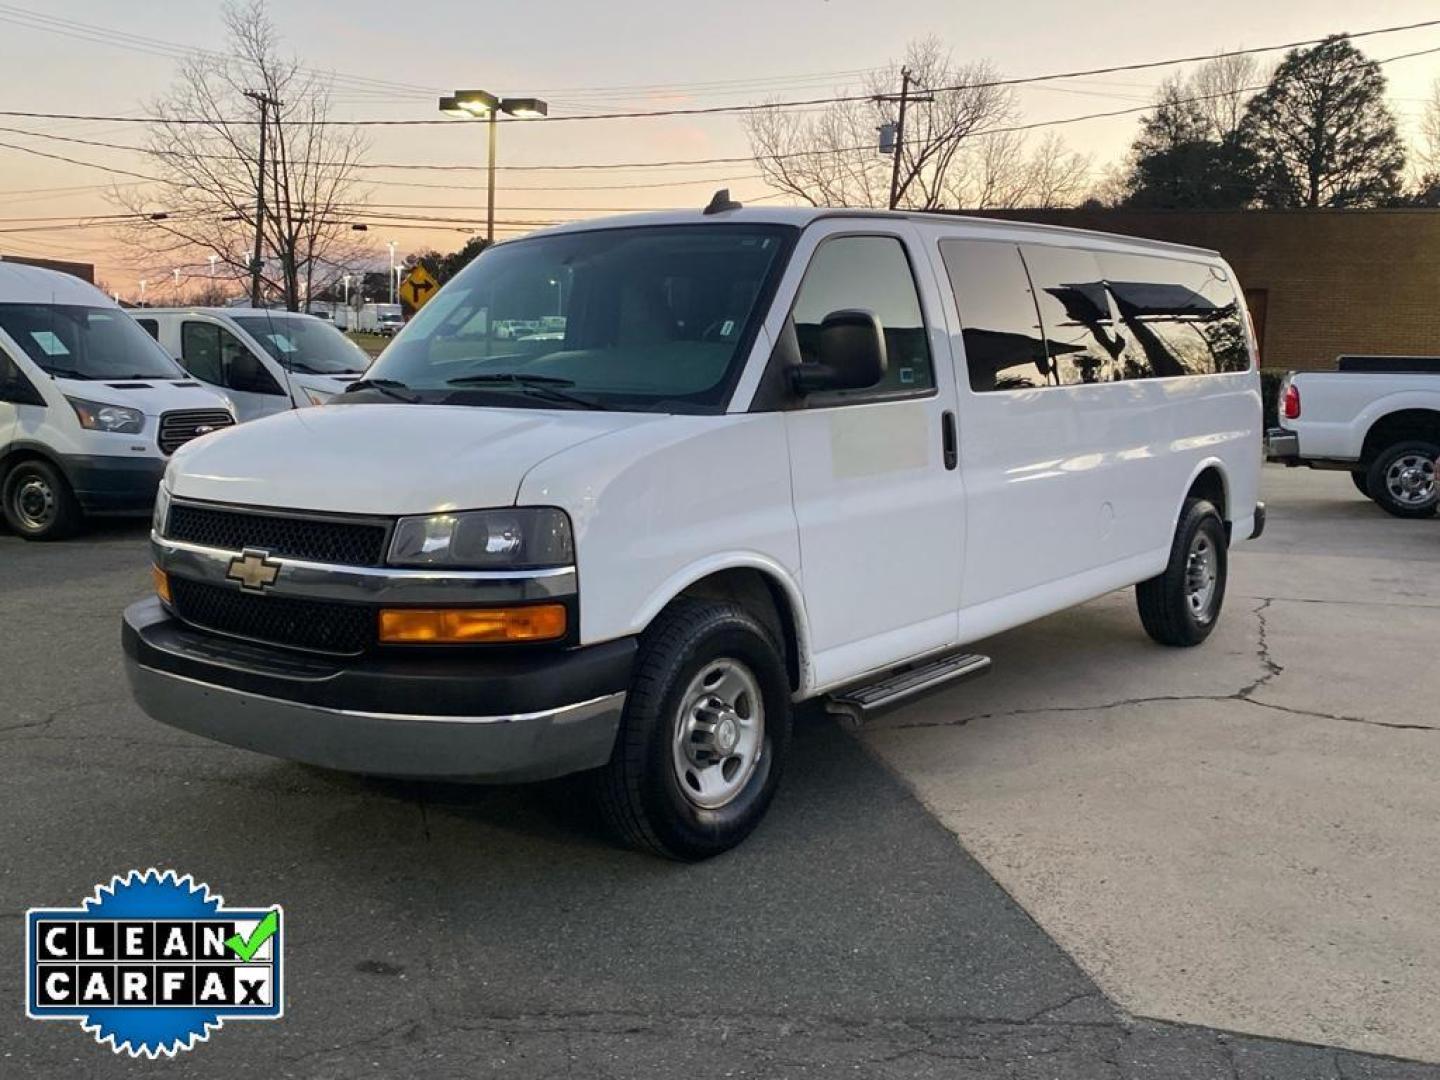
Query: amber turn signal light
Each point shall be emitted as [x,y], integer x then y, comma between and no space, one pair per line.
[162,583]
[466,626]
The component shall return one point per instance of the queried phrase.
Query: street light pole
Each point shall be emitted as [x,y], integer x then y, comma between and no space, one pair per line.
[481,104]
[392,271]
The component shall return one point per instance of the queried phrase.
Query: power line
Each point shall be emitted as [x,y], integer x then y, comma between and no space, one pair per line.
[773,105]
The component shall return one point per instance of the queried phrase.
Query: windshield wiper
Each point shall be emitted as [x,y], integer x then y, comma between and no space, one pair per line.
[546,387]
[68,373]
[388,387]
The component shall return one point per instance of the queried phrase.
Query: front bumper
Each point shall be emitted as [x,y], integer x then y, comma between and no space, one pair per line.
[1282,445]
[459,716]
[112,484]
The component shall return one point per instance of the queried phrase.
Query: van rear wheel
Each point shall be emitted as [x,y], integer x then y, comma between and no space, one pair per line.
[1181,606]
[38,503]
[705,733]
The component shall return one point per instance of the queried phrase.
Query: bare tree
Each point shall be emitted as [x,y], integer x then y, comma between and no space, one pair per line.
[830,157]
[1427,152]
[1003,172]
[209,167]
[1226,83]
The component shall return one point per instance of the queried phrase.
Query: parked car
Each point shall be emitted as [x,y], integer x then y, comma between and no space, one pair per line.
[264,361]
[90,407]
[779,455]
[1377,418]
[389,324]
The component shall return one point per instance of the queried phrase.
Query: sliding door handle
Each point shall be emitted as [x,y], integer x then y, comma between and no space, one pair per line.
[947,440]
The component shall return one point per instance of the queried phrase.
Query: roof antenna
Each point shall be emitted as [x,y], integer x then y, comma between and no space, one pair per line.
[722,203]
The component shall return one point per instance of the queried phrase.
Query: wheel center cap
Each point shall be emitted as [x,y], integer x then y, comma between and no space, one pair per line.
[727,735]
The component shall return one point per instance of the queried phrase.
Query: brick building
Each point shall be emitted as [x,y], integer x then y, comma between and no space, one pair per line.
[1320,283]
[84,271]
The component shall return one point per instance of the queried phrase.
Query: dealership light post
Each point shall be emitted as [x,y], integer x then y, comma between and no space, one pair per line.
[392,271]
[483,105]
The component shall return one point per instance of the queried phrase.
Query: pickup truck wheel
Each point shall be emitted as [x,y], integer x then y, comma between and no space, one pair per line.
[1362,481]
[1181,606]
[1402,479]
[38,503]
[704,736]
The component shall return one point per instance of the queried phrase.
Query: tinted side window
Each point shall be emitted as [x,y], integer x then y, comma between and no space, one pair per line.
[1176,317]
[200,352]
[1004,346]
[870,273]
[151,327]
[14,386]
[1080,332]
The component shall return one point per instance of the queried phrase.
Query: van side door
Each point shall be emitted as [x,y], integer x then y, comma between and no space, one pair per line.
[214,355]
[1043,427]
[877,498]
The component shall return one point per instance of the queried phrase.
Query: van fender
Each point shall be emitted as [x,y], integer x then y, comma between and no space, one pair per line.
[1218,465]
[29,448]
[683,579]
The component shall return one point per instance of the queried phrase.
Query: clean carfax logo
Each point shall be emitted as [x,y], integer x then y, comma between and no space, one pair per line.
[153,962]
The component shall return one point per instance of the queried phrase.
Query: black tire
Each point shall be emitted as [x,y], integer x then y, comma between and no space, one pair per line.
[1167,603]
[1402,479]
[640,791]
[1362,481]
[38,502]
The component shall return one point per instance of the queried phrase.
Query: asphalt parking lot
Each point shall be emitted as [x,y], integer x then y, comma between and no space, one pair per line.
[1105,860]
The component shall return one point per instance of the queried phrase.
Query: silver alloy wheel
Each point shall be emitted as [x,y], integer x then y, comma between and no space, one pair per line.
[719,733]
[1410,480]
[1202,570]
[34,503]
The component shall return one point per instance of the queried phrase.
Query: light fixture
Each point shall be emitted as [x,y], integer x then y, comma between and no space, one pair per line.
[525,107]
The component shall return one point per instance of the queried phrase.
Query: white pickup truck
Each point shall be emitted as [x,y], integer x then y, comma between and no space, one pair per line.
[1377,417]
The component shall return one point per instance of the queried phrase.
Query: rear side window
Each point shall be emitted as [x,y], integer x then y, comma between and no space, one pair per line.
[1080,332]
[1004,346]
[869,273]
[1176,317]
[151,327]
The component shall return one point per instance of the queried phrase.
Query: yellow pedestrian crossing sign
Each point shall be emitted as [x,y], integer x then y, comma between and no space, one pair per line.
[417,288]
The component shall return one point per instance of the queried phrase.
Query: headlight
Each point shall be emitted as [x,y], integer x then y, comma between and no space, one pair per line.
[315,397]
[162,510]
[526,539]
[99,417]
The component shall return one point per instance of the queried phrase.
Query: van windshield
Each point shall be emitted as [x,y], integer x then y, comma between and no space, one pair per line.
[71,341]
[304,344]
[638,319]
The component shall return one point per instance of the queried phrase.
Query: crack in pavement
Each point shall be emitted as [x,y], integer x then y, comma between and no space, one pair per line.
[50,717]
[1270,670]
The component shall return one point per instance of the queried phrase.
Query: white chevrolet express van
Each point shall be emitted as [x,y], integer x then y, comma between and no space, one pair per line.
[764,456]
[90,407]
[264,361]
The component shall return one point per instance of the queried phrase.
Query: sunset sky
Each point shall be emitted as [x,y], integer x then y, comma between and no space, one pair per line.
[584,57]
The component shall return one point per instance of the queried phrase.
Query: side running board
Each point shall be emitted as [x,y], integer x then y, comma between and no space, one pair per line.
[857,704]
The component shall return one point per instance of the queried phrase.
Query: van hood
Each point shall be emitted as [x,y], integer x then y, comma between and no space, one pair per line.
[386,459]
[327,386]
[151,396]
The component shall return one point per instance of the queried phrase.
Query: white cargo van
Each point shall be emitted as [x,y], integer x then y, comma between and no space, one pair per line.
[264,361]
[90,407]
[760,457]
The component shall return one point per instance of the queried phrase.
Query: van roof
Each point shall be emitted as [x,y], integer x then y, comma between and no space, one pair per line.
[196,309]
[801,216]
[22,284]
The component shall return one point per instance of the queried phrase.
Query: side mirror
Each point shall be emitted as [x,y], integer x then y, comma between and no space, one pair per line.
[851,355]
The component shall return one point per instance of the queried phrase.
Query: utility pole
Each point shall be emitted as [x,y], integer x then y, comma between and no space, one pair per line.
[904,99]
[266,102]
[899,138]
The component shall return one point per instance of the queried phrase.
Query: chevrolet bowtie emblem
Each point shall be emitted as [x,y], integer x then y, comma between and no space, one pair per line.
[253,570]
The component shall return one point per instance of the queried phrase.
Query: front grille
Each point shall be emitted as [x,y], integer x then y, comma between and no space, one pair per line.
[327,540]
[343,629]
[178,428]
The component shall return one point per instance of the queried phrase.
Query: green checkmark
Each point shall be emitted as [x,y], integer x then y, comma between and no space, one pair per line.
[244,948]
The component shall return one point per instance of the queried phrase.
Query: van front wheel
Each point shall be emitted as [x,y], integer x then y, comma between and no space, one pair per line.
[1181,606]
[705,733]
[38,503]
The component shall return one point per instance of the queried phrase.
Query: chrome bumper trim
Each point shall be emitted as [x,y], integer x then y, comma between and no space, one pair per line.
[368,584]
[508,748]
